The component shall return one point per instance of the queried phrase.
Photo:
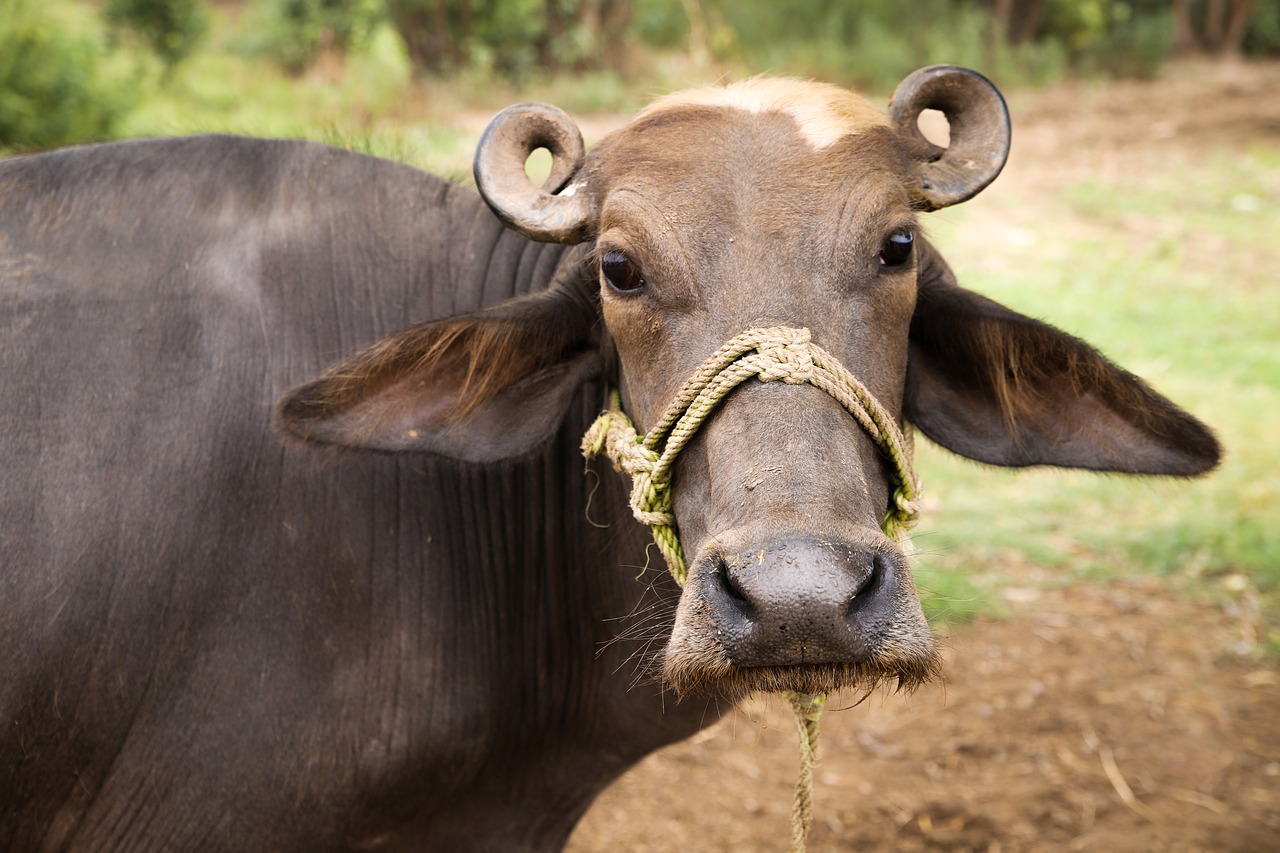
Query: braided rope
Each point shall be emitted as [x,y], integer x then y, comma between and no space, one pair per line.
[778,354]
[808,710]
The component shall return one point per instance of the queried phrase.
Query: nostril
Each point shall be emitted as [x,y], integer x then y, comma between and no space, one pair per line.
[733,591]
[879,569]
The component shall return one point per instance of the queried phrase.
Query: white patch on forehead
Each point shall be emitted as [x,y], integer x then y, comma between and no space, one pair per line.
[825,113]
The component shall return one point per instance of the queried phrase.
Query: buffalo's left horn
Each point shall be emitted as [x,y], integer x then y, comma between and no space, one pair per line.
[536,212]
[979,122]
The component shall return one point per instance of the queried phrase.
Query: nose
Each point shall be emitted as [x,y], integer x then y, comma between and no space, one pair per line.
[801,602]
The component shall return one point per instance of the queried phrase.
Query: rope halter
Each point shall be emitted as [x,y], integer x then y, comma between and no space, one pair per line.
[779,354]
[773,354]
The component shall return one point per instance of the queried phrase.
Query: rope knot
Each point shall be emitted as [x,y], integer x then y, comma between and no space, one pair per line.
[785,354]
[651,500]
[907,505]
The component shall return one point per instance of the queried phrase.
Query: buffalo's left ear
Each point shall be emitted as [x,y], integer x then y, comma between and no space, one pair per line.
[998,387]
[479,387]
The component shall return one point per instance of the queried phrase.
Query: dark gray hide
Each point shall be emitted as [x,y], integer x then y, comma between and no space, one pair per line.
[210,641]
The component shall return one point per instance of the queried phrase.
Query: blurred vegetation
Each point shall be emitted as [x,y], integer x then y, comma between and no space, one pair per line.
[76,70]
[170,28]
[55,84]
[415,80]
[515,37]
[296,33]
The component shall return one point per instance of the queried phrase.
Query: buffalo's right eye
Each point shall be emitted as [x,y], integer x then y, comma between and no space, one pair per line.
[620,272]
[897,249]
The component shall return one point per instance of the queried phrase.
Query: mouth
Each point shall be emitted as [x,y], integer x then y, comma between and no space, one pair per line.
[703,668]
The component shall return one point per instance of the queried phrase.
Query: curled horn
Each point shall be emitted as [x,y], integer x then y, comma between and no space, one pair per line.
[979,123]
[538,213]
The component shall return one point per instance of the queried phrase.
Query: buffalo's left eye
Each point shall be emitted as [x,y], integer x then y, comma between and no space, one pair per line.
[897,249]
[621,272]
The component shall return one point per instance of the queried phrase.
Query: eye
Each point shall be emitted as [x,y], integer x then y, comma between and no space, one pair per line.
[620,272]
[897,249]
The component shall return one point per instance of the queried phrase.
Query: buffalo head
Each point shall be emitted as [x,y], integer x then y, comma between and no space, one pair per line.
[768,203]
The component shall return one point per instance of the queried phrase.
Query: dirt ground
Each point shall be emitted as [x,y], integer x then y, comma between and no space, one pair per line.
[1127,717]
[1116,719]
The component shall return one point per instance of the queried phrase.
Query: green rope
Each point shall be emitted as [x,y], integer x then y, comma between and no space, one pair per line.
[770,354]
[615,435]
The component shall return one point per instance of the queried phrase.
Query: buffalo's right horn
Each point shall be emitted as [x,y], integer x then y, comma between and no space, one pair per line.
[980,132]
[536,212]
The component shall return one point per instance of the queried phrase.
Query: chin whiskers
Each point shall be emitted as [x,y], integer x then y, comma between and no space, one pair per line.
[643,633]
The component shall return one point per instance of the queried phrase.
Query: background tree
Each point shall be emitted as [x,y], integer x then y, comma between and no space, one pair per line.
[1212,26]
[52,88]
[437,33]
[514,37]
[171,28]
[1263,36]
[296,32]
[1018,21]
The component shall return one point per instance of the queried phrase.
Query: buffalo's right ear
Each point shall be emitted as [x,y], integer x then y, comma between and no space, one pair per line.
[480,387]
[998,387]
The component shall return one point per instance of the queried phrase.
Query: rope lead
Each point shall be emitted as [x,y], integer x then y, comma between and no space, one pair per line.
[808,710]
[782,354]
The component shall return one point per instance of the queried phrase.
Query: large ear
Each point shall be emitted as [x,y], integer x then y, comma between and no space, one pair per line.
[479,387]
[998,387]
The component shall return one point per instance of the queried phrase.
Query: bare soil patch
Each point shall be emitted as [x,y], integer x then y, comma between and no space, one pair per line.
[1116,719]
[1125,717]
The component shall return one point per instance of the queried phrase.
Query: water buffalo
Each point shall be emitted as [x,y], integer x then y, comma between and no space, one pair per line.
[391,630]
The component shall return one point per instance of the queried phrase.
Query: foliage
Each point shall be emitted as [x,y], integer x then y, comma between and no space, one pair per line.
[514,37]
[1018,41]
[236,90]
[296,32]
[1263,37]
[1121,39]
[875,43]
[171,28]
[53,89]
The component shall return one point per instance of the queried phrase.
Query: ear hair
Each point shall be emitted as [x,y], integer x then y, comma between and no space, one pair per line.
[482,386]
[993,385]
[478,355]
